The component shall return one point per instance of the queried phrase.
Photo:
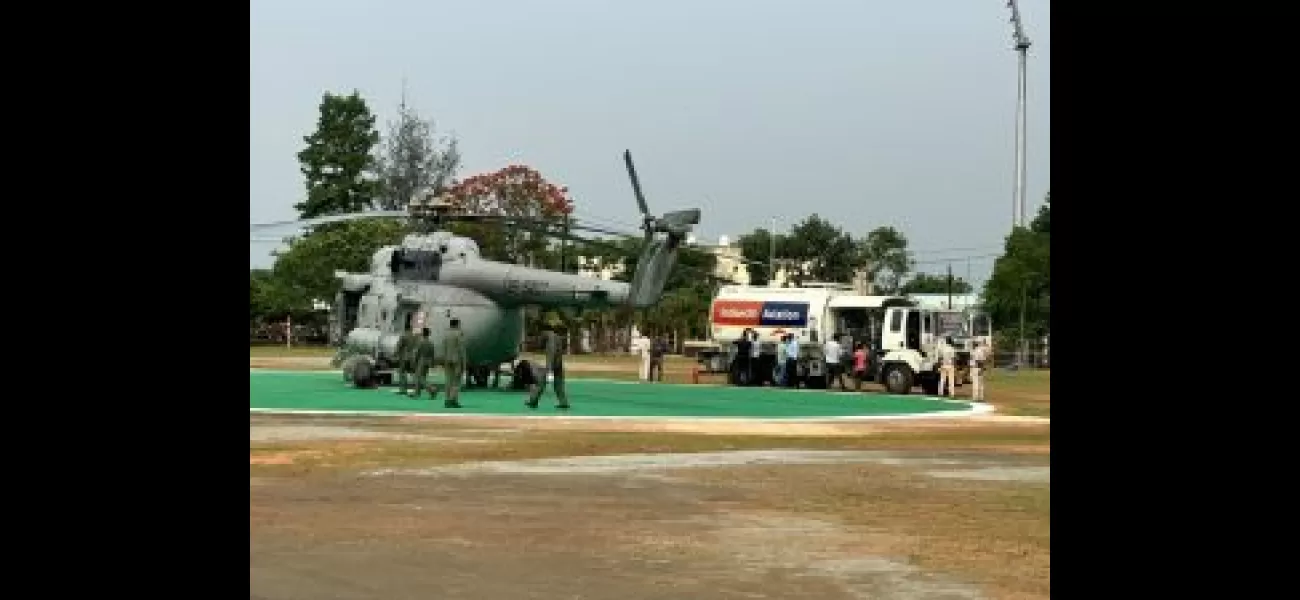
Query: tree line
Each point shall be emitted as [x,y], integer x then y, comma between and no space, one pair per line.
[348,166]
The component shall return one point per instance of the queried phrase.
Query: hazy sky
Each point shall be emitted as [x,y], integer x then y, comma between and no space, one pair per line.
[866,112]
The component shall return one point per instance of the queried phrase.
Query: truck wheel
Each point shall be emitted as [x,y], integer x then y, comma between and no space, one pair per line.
[481,377]
[363,374]
[348,365]
[898,379]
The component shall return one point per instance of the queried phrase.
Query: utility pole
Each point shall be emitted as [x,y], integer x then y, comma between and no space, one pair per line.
[771,253]
[564,246]
[949,286]
[1022,44]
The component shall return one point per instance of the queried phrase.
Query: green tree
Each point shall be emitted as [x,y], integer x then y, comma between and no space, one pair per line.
[925,283]
[1021,279]
[338,160]
[307,267]
[756,248]
[887,258]
[412,159]
[820,251]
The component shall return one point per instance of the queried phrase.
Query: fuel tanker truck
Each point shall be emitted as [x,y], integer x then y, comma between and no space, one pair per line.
[900,336]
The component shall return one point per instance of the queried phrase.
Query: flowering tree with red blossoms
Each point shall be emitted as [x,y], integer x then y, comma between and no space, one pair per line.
[514,191]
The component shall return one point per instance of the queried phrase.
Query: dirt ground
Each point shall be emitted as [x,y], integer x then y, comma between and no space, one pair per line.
[349,508]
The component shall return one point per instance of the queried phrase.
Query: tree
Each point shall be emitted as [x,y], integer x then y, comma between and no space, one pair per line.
[888,261]
[821,251]
[307,267]
[924,283]
[1021,282]
[756,248]
[515,191]
[338,159]
[413,160]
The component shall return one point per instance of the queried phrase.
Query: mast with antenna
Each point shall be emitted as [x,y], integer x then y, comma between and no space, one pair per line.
[1022,44]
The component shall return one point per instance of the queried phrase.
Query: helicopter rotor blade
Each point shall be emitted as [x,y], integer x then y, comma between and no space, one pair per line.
[647,220]
[636,183]
[378,214]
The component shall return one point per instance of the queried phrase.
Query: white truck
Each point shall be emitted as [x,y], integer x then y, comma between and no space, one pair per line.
[811,313]
[900,336]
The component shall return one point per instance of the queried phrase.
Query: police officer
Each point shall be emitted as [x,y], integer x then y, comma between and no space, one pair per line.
[555,365]
[405,354]
[947,368]
[423,357]
[979,358]
[454,360]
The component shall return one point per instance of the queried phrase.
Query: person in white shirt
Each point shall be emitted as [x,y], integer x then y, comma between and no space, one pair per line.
[979,357]
[643,347]
[947,368]
[832,351]
[791,361]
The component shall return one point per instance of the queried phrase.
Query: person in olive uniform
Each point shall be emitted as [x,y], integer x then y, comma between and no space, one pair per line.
[453,361]
[555,366]
[404,355]
[423,357]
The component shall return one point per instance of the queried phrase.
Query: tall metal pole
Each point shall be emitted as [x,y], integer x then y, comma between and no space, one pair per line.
[1022,44]
[771,253]
[949,286]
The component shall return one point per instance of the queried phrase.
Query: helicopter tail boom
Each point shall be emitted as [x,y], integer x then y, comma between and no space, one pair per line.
[515,285]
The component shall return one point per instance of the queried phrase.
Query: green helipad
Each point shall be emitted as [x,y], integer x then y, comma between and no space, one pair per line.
[324,392]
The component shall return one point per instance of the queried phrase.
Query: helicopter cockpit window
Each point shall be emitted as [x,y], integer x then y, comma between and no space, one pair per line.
[419,264]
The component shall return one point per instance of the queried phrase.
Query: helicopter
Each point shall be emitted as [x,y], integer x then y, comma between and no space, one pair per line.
[435,276]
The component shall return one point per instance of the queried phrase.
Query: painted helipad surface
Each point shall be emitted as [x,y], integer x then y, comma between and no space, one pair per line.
[325,392]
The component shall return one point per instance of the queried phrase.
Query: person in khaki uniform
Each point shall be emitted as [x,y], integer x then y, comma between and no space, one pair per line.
[405,354]
[554,343]
[979,358]
[454,360]
[947,368]
[424,357]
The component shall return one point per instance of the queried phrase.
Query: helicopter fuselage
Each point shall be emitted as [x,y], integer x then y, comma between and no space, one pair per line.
[433,278]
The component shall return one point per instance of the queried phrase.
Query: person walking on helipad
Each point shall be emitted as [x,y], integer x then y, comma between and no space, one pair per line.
[423,357]
[979,358]
[453,361]
[555,368]
[405,356]
[947,367]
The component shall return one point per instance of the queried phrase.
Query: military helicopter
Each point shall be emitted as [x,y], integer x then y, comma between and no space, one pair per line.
[435,276]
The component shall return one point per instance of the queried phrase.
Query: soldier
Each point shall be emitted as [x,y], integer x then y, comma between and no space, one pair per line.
[454,361]
[423,357]
[555,366]
[405,353]
[947,367]
[979,357]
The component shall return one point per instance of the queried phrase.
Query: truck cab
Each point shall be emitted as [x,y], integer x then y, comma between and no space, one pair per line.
[909,344]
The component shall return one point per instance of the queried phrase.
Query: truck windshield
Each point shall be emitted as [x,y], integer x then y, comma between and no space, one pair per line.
[980,325]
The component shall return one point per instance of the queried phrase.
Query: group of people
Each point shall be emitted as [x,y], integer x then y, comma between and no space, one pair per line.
[787,363]
[833,354]
[417,355]
[947,356]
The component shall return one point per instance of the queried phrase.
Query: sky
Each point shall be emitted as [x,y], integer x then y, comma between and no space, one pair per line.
[865,112]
